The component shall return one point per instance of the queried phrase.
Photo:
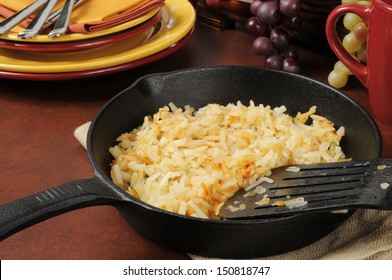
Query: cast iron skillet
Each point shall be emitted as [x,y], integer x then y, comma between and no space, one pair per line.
[198,87]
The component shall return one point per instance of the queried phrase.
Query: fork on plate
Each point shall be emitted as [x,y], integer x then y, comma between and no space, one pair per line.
[44,18]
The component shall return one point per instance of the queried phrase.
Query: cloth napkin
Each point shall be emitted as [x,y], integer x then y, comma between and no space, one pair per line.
[366,235]
[93,15]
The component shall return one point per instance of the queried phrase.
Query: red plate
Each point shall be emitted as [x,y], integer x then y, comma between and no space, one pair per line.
[81,44]
[98,72]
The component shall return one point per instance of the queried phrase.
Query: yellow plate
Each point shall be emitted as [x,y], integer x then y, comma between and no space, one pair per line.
[13,36]
[177,23]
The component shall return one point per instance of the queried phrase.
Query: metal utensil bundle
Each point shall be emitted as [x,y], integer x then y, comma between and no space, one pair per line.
[44,18]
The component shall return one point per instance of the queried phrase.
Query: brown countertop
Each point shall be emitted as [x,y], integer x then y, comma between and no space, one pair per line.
[39,151]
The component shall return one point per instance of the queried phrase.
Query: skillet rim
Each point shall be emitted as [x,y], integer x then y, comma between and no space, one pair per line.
[105,179]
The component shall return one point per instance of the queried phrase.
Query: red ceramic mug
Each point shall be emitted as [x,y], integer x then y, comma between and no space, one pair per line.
[376,76]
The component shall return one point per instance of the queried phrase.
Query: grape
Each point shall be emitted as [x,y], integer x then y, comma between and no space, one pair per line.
[291,23]
[354,42]
[361,32]
[214,4]
[337,78]
[361,53]
[280,38]
[290,65]
[254,6]
[268,12]
[255,27]
[290,52]
[350,20]
[270,23]
[273,61]
[290,8]
[262,46]
[350,43]
[341,67]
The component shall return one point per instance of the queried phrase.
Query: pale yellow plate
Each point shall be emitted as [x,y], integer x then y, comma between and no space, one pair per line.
[13,35]
[178,22]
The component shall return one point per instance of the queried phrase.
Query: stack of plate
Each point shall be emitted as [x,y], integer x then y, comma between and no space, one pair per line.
[145,39]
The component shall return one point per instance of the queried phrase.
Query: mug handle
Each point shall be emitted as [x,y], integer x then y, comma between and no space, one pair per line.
[359,70]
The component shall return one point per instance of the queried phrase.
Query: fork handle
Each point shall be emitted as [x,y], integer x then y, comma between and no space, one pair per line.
[12,21]
[53,17]
[38,21]
[62,23]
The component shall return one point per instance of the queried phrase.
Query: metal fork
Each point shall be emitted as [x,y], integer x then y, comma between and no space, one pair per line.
[317,187]
[38,21]
[63,20]
[54,16]
[12,21]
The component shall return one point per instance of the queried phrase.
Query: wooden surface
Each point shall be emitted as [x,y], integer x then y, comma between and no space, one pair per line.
[38,150]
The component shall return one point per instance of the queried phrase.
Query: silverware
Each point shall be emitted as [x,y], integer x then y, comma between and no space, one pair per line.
[14,20]
[63,20]
[154,31]
[53,17]
[315,187]
[38,21]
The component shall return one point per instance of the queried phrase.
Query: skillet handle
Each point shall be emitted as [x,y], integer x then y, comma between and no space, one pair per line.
[25,212]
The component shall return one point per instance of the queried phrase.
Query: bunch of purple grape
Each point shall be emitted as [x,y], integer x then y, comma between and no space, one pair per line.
[271,23]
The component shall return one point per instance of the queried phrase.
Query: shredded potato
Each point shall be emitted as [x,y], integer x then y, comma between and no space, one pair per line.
[190,162]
